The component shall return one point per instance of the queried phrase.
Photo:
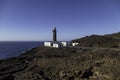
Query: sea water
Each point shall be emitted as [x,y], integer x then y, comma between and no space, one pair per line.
[15,48]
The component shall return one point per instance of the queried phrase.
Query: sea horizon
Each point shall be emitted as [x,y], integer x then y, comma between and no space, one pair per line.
[16,48]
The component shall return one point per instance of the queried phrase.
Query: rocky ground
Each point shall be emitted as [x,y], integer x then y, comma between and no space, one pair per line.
[72,63]
[98,41]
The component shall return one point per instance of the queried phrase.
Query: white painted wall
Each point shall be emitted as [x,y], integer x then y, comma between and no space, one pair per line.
[48,44]
[56,45]
[75,44]
[64,43]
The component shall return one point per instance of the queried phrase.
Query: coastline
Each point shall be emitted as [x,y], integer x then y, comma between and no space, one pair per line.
[11,48]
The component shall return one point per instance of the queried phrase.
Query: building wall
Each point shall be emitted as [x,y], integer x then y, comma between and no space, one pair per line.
[59,44]
[48,44]
[56,45]
[64,43]
[75,44]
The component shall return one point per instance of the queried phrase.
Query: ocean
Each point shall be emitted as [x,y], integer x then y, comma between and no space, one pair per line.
[15,48]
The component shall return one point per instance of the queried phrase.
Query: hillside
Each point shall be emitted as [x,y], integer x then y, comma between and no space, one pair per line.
[114,35]
[95,58]
[73,63]
[97,41]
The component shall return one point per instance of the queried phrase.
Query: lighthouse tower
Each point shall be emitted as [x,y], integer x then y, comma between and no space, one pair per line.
[54,43]
[54,34]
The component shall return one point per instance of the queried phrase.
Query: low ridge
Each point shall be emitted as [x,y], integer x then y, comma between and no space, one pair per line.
[97,41]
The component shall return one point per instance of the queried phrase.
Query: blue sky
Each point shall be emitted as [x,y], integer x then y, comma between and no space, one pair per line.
[33,20]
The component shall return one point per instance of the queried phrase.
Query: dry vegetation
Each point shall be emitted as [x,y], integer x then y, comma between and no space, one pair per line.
[98,41]
[63,64]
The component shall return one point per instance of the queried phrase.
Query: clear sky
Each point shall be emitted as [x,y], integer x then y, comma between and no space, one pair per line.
[33,20]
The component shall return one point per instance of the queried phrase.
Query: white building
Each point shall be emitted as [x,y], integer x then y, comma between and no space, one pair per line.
[64,43]
[75,44]
[49,44]
[55,43]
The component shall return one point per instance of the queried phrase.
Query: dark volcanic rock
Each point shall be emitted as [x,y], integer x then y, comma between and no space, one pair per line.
[44,63]
[97,41]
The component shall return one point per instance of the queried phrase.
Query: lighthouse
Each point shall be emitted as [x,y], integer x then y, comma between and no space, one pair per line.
[54,34]
[54,43]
